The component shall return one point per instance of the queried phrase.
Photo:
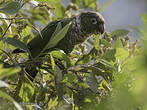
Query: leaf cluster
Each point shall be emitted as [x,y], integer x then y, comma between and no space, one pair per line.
[86,78]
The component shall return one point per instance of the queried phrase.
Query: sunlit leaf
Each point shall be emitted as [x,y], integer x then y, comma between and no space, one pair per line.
[62,56]
[5,72]
[144,18]
[27,90]
[121,54]
[26,31]
[96,42]
[11,8]
[118,43]
[105,43]
[52,62]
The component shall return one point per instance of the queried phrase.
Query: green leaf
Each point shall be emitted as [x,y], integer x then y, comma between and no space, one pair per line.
[5,72]
[11,8]
[119,32]
[121,54]
[69,78]
[90,3]
[106,63]
[105,43]
[58,28]
[6,96]
[62,56]
[25,32]
[84,59]
[92,83]
[16,43]
[96,42]
[144,18]
[106,5]
[52,62]
[118,43]
[27,89]
[109,55]
[56,38]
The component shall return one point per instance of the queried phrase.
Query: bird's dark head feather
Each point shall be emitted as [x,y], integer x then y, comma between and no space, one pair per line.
[92,22]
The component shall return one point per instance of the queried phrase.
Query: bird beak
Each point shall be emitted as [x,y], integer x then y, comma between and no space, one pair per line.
[101,28]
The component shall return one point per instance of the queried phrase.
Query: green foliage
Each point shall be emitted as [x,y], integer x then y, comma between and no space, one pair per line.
[16,43]
[119,32]
[11,8]
[57,36]
[5,72]
[109,76]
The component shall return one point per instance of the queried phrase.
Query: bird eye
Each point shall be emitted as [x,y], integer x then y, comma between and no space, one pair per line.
[93,21]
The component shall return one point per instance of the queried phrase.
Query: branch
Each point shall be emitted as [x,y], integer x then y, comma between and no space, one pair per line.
[6,30]
[13,18]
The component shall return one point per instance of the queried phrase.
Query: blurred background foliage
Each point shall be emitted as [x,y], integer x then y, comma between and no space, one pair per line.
[107,72]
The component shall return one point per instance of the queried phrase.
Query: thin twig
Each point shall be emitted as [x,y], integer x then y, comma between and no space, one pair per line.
[13,18]
[6,30]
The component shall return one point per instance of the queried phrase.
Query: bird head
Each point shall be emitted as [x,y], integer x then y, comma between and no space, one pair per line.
[92,23]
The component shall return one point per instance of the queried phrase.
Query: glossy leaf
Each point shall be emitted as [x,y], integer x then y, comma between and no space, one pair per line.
[11,8]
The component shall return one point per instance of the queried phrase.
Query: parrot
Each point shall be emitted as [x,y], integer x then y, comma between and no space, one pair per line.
[82,27]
